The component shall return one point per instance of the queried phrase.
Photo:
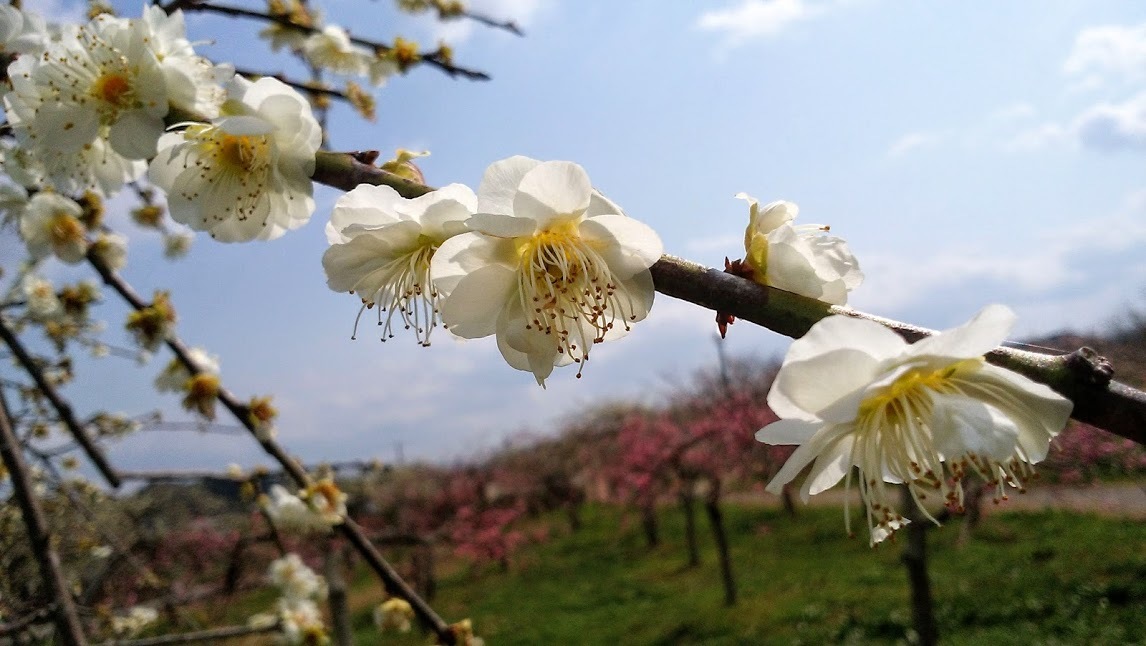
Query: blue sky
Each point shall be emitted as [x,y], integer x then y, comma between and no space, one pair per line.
[969,156]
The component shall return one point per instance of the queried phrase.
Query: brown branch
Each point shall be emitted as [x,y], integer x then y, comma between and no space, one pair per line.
[301,86]
[68,627]
[393,583]
[433,59]
[1081,376]
[507,25]
[212,635]
[63,409]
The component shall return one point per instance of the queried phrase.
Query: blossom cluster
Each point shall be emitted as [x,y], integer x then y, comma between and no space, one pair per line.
[314,509]
[89,107]
[297,613]
[537,258]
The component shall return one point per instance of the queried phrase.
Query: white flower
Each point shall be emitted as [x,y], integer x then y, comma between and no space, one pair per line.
[91,103]
[176,245]
[40,297]
[301,622]
[246,175]
[193,82]
[331,49]
[296,581]
[290,512]
[551,268]
[394,613]
[134,621]
[21,32]
[51,225]
[381,249]
[111,249]
[853,393]
[13,199]
[175,375]
[797,258]
[380,67]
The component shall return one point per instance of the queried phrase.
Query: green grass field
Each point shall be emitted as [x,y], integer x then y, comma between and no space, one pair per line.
[1024,578]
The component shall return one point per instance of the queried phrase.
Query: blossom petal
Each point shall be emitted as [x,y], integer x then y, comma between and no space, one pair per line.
[974,338]
[465,253]
[366,205]
[499,184]
[627,245]
[552,190]
[501,226]
[788,431]
[135,133]
[804,389]
[473,307]
[962,426]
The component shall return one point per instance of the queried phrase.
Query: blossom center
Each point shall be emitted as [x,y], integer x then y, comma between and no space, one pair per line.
[65,229]
[568,292]
[114,89]
[407,291]
[241,152]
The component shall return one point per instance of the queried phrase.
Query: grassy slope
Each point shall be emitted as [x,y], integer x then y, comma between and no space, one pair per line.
[1025,578]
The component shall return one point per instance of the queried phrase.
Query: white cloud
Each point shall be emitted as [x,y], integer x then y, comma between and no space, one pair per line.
[913,141]
[58,11]
[757,19]
[1111,50]
[1013,112]
[1103,126]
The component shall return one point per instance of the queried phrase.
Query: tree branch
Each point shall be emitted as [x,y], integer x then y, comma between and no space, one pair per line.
[68,627]
[211,635]
[1082,376]
[393,583]
[63,409]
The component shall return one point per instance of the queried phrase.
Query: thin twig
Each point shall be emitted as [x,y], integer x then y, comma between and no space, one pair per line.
[433,59]
[1081,376]
[63,409]
[212,635]
[68,627]
[19,624]
[301,86]
[393,583]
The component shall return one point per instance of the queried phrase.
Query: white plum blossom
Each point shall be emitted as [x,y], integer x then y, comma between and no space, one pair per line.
[394,613]
[91,107]
[21,32]
[111,248]
[551,266]
[853,393]
[300,622]
[291,513]
[13,199]
[295,580]
[382,245]
[51,224]
[40,298]
[246,175]
[331,49]
[193,82]
[134,621]
[177,244]
[175,375]
[797,259]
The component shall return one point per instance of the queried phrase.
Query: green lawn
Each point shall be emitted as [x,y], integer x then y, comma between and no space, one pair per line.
[1025,578]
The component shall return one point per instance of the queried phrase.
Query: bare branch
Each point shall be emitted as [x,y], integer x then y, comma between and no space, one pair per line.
[393,583]
[212,635]
[63,409]
[68,627]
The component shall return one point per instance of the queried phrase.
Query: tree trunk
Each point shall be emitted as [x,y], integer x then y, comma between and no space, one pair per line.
[915,559]
[423,562]
[649,522]
[573,510]
[716,519]
[687,498]
[336,598]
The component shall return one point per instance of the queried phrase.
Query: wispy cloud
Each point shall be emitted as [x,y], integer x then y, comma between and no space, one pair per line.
[913,141]
[1104,126]
[753,19]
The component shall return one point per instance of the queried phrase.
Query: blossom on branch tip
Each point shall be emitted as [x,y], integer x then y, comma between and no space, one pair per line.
[50,224]
[151,325]
[551,266]
[394,613]
[331,49]
[295,580]
[40,297]
[325,499]
[381,249]
[292,513]
[175,375]
[111,248]
[246,175]
[853,393]
[797,259]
